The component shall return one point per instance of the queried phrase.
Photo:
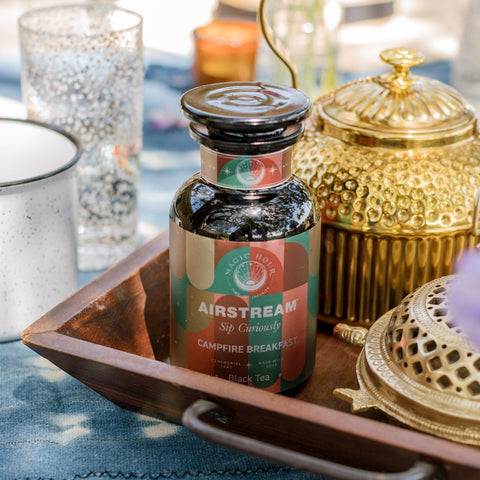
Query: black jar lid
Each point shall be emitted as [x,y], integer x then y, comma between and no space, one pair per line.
[245,117]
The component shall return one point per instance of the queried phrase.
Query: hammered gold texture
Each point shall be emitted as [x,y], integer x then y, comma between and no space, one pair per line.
[392,220]
[390,192]
[418,368]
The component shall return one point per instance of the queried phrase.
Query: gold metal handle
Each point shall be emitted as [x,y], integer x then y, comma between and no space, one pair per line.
[267,34]
[420,470]
[350,334]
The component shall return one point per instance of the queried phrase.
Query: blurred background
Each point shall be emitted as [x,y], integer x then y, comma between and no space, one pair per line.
[358,28]
[330,42]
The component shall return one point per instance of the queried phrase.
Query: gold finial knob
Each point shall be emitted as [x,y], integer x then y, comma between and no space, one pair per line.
[401,59]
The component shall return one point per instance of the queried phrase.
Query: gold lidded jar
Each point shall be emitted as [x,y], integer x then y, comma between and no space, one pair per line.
[395,163]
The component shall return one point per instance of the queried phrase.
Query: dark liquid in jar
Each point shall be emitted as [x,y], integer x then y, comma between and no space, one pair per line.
[256,215]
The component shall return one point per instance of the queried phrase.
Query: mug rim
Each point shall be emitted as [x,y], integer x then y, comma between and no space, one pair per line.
[98,6]
[66,166]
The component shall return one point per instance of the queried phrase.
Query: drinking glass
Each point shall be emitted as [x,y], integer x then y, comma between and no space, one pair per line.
[82,70]
[465,67]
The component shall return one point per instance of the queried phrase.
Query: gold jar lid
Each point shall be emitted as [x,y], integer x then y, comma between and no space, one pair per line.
[396,109]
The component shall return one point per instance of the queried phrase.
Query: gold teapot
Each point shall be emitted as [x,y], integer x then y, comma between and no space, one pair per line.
[395,163]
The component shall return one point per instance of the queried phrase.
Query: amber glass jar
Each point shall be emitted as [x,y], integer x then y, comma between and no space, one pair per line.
[244,241]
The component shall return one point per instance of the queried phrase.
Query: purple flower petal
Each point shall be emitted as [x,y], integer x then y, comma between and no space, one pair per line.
[464,296]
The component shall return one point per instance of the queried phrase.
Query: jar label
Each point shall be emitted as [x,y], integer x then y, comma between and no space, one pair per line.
[245,311]
[246,172]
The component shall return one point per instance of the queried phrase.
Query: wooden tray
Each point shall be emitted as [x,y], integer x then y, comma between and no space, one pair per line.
[113,335]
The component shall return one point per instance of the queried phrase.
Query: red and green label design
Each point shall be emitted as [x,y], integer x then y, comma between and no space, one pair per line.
[246,172]
[245,311]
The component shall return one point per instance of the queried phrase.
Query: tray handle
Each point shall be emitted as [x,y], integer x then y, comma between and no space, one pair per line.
[191,419]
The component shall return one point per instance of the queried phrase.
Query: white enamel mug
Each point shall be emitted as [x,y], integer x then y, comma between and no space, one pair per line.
[38,221]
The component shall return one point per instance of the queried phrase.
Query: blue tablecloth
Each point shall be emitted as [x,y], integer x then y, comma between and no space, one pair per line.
[52,426]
